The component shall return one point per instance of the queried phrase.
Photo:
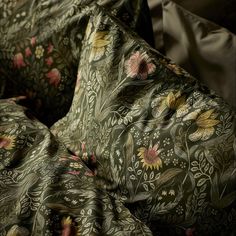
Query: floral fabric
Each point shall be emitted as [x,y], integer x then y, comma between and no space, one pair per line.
[40,48]
[145,149]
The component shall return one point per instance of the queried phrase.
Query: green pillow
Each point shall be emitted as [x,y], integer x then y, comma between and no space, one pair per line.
[155,137]
[40,49]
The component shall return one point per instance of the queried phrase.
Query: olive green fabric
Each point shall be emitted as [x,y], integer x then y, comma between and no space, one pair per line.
[203,48]
[200,37]
[40,48]
[156,133]
[145,149]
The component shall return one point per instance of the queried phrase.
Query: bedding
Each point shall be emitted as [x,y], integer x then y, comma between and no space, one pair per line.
[200,37]
[144,149]
[40,49]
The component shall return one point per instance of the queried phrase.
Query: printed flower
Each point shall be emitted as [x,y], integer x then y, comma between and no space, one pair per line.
[49,61]
[139,65]
[50,48]
[179,210]
[175,101]
[33,41]
[66,41]
[66,226]
[28,52]
[18,60]
[16,230]
[54,77]
[172,101]
[172,192]
[164,193]
[150,157]
[173,67]
[7,141]
[205,123]
[99,42]
[39,52]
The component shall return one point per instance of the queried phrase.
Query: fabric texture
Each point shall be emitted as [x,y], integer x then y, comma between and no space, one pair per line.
[145,148]
[40,49]
[200,37]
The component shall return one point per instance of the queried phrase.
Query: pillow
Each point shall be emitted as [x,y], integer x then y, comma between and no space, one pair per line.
[40,49]
[155,137]
[203,48]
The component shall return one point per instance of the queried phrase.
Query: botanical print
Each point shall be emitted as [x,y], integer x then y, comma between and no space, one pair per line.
[150,157]
[7,142]
[139,65]
[136,146]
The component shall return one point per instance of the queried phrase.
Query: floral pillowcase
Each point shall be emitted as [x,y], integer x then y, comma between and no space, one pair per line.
[40,50]
[154,137]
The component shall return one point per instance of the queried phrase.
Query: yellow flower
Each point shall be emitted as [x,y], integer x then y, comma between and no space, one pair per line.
[7,141]
[150,157]
[173,67]
[175,101]
[16,230]
[66,221]
[39,52]
[205,122]
[100,40]
[172,101]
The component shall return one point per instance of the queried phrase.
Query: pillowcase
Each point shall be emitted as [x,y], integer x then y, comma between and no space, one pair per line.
[153,135]
[192,35]
[40,49]
[203,48]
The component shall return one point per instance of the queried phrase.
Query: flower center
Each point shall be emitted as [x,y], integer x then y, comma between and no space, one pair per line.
[4,142]
[143,67]
[150,156]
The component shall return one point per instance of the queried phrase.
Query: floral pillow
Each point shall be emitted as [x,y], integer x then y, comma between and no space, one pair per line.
[40,49]
[156,139]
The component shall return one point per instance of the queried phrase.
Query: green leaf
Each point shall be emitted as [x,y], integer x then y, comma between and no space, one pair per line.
[167,176]
[145,187]
[202,189]
[151,175]
[145,176]
[139,172]
[197,175]
[194,163]
[129,146]
[206,167]
[201,182]
[211,170]
[194,169]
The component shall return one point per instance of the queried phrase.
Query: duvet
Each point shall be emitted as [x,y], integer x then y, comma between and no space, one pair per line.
[102,135]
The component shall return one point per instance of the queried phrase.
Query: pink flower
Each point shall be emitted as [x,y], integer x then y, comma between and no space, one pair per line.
[75,158]
[90,173]
[49,61]
[139,65]
[66,226]
[74,172]
[50,48]
[18,60]
[33,41]
[54,77]
[28,52]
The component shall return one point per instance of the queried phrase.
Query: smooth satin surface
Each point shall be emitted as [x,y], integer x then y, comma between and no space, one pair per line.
[200,45]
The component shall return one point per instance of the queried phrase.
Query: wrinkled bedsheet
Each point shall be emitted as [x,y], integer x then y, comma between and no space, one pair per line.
[130,143]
